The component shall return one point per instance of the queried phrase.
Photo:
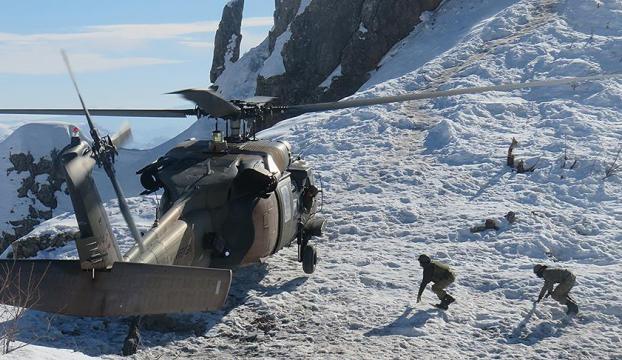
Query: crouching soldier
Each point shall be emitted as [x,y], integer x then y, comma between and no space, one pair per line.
[441,276]
[553,276]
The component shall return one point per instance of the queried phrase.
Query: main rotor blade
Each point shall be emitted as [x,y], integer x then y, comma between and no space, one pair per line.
[164,113]
[260,99]
[209,101]
[299,109]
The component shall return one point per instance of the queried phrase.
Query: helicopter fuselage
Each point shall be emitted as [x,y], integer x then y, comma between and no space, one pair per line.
[226,205]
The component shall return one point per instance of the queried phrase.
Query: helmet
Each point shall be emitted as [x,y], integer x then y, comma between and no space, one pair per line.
[424,259]
[537,268]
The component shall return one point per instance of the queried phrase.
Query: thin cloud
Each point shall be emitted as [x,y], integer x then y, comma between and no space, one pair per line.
[197,44]
[94,48]
[42,62]
[129,32]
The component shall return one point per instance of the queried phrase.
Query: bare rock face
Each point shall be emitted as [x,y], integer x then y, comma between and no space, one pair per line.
[40,183]
[318,36]
[284,12]
[343,40]
[228,38]
[322,50]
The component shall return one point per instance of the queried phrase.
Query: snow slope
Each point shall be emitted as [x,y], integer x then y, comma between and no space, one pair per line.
[405,179]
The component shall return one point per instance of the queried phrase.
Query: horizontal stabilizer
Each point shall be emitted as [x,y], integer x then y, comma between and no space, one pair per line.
[61,286]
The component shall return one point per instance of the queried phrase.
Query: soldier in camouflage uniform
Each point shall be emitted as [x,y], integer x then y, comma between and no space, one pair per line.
[441,276]
[553,276]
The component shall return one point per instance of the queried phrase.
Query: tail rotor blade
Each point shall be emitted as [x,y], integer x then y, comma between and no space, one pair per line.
[123,136]
[125,211]
[75,85]
[104,152]
[79,168]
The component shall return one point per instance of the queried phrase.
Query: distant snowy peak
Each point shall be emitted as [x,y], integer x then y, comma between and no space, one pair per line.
[37,138]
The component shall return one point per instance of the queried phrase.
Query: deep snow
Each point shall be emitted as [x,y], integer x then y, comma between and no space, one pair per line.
[405,179]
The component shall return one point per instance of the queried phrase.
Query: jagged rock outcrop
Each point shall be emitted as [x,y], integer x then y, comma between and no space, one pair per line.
[324,50]
[29,246]
[228,38]
[284,12]
[41,182]
[345,39]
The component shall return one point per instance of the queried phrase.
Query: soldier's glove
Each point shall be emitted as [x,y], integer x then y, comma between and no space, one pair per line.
[418,299]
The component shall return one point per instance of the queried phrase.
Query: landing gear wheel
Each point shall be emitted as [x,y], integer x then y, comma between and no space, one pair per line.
[309,259]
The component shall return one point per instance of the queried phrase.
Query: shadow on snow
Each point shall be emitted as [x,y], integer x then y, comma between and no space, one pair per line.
[102,336]
[408,324]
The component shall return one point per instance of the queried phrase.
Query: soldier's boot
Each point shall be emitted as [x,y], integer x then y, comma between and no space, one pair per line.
[573,308]
[447,299]
[443,305]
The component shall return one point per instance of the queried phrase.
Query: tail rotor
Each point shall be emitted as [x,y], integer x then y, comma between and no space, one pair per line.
[104,151]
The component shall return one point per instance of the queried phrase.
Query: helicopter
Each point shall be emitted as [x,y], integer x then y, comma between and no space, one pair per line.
[227,202]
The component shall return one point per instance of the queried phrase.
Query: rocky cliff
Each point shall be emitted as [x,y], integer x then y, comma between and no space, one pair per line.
[322,50]
[228,38]
[32,186]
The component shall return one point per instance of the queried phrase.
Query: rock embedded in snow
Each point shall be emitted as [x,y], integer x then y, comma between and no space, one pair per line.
[29,246]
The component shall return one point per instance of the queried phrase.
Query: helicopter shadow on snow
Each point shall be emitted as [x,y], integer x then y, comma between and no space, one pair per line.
[245,280]
[408,324]
[105,336]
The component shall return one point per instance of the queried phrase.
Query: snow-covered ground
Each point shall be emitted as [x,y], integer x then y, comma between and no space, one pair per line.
[406,179]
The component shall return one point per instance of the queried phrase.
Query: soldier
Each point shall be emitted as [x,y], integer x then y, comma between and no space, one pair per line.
[441,276]
[553,276]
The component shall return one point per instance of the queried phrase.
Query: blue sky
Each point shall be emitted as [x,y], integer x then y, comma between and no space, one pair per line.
[126,54]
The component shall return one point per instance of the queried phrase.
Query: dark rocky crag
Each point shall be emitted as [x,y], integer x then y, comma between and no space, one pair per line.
[30,245]
[352,36]
[228,38]
[35,190]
